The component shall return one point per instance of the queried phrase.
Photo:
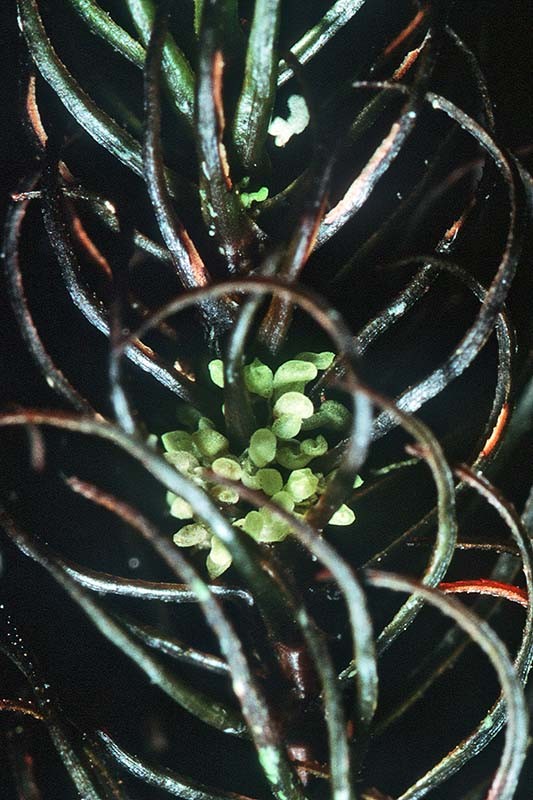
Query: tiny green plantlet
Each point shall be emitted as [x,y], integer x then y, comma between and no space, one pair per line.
[281,459]
[249,197]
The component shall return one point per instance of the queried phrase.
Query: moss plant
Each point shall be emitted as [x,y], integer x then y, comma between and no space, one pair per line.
[220,180]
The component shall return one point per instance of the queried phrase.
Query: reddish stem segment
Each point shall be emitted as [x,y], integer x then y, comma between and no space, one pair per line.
[506,591]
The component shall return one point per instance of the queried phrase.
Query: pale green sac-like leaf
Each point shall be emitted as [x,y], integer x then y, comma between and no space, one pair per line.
[287,426]
[176,441]
[210,443]
[193,534]
[262,447]
[320,360]
[278,460]
[219,558]
[294,370]
[343,516]
[227,468]
[259,378]
[181,509]
[302,484]
[216,372]
[295,404]
[270,481]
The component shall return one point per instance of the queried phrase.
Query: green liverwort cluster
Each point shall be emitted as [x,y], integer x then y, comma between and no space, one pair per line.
[278,459]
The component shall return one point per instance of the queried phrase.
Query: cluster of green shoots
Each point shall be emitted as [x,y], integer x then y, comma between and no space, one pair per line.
[278,460]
